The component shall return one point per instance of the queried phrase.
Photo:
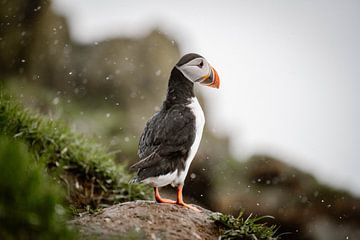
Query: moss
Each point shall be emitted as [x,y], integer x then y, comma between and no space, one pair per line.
[85,168]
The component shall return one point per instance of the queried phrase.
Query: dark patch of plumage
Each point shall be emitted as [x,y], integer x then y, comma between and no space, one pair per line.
[165,142]
[168,136]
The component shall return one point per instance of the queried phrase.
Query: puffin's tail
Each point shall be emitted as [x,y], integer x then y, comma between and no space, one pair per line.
[143,163]
[134,180]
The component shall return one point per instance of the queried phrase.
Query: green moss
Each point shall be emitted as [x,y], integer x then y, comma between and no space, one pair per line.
[30,202]
[250,228]
[88,172]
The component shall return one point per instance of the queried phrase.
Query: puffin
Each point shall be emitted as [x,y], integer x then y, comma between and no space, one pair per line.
[172,136]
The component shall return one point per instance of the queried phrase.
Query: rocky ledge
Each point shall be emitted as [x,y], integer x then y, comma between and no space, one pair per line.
[147,220]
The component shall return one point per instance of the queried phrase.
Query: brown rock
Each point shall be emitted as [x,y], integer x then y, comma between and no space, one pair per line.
[150,220]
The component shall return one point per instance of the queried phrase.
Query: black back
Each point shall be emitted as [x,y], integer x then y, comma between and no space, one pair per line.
[168,136]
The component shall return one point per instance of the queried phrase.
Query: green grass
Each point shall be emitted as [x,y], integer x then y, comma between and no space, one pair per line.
[85,168]
[30,202]
[250,228]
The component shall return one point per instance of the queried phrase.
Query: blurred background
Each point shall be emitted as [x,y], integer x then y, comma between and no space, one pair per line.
[282,135]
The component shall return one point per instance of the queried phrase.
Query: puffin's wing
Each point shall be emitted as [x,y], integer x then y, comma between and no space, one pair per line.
[146,162]
[165,142]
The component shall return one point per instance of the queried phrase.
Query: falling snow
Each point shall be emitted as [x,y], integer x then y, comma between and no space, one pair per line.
[158,72]
[55,101]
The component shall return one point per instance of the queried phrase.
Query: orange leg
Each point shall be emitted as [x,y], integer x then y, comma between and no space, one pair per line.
[161,200]
[180,200]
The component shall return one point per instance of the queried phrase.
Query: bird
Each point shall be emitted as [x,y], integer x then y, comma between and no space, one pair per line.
[172,136]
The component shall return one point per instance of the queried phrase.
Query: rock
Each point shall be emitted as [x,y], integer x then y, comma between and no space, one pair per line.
[149,220]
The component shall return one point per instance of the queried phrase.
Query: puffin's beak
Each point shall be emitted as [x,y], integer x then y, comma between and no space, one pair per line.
[212,80]
[215,79]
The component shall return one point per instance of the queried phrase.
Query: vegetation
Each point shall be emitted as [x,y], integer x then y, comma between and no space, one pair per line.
[30,202]
[89,173]
[250,228]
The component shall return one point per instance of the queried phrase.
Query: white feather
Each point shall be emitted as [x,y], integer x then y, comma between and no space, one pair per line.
[193,72]
[162,180]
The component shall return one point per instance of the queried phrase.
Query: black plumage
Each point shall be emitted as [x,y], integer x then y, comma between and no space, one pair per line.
[168,136]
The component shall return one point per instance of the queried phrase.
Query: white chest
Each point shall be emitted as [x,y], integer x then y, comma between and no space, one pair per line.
[199,120]
[199,126]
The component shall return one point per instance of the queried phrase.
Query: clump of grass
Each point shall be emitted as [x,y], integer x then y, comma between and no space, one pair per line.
[250,228]
[87,170]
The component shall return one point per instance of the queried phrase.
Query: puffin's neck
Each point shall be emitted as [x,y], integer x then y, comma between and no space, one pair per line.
[180,89]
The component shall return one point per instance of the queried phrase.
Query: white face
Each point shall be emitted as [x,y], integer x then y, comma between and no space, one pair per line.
[196,70]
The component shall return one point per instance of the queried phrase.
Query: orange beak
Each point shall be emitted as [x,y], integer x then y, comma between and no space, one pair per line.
[212,80]
[216,79]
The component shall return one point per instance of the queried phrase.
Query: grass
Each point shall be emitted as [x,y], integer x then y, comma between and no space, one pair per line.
[85,168]
[250,228]
[30,202]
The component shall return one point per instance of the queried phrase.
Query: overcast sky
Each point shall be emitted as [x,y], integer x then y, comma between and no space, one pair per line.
[289,71]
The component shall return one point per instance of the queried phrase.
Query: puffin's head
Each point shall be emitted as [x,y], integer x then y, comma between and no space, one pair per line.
[196,69]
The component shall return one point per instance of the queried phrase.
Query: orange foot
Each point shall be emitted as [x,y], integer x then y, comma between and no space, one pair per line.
[181,202]
[189,206]
[162,200]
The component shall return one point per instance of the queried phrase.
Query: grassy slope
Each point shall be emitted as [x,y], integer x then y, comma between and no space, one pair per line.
[88,171]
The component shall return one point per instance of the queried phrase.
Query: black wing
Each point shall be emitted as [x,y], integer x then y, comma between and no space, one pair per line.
[165,143]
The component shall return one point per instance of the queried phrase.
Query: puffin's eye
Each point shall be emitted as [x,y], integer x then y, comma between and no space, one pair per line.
[201,64]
